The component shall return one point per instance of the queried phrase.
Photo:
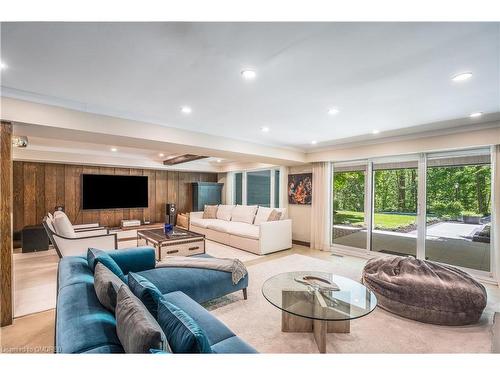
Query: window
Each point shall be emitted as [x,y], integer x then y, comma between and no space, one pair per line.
[349,224]
[277,188]
[459,209]
[395,208]
[259,188]
[238,188]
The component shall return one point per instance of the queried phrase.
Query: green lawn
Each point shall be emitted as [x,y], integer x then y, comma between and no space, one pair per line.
[382,221]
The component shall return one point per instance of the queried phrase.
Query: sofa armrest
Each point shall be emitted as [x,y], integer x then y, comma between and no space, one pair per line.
[275,235]
[196,215]
[78,246]
[134,259]
[90,232]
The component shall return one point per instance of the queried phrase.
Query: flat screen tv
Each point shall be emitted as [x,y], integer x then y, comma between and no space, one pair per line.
[101,191]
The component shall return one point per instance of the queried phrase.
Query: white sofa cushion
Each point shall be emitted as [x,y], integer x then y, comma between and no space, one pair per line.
[220,225]
[62,225]
[244,230]
[264,212]
[244,214]
[202,223]
[224,212]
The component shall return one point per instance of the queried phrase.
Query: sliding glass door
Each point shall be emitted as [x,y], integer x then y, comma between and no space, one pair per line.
[395,208]
[376,207]
[349,218]
[459,209]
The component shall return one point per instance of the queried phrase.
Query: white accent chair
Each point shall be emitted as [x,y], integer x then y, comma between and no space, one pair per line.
[74,240]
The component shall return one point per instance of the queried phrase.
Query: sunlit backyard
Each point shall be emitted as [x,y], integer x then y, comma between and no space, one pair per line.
[389,221]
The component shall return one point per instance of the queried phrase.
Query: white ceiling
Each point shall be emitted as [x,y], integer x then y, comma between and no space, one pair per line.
[380,75]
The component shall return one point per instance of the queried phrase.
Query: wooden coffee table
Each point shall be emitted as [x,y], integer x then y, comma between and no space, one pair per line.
[180,242]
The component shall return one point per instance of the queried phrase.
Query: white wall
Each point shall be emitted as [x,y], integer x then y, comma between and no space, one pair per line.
[300,214]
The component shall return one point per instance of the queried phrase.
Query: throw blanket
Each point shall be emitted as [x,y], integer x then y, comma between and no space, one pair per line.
[234,266]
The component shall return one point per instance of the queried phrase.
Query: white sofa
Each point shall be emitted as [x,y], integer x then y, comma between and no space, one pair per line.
[246,228]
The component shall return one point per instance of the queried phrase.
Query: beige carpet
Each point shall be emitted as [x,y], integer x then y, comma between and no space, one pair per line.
[259,323]
[219,250]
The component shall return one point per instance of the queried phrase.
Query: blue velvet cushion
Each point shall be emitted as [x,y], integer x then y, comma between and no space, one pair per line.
[74,270]
[134,259]
[200,284]
[183,334]
[144,290]
[95,255]
[214,329]
[233,345]
[82,323]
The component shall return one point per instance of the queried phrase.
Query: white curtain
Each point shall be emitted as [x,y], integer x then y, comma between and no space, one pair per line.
[495,158]
[320,210]
[228,196]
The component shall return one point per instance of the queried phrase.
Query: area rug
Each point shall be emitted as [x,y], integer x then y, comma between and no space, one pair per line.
[219,250]
[259,323]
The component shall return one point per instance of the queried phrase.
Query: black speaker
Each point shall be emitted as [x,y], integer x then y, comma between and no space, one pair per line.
[170,213]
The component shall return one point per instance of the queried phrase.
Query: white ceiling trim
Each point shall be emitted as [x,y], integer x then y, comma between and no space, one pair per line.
[65,121]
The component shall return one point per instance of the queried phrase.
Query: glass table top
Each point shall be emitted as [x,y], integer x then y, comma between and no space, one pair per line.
[352,301]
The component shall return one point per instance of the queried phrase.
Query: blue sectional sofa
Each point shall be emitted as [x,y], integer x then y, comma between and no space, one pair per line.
[83,325]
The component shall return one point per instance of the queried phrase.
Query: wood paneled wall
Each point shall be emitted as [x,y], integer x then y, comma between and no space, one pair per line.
[5,224]
[39,187]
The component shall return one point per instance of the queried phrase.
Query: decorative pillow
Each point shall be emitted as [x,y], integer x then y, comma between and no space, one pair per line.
[183,221]
[210,212]
[63,226]
[146,291]
[264,212]
[224,212]
[106,285]
[244,214]
[136,328]
[50,223]
[95,255]
[274,216]
[184,335]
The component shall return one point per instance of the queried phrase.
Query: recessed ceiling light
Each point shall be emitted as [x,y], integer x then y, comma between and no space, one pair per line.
[186,109]
[314,142]
[375,131]
[218,160]
[265,129]
[161,155]
[461,77]
[476,114]
[248,74]
[114,149]
[333,111]
[3,65]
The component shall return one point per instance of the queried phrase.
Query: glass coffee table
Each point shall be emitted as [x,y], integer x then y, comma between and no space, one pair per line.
[309,309]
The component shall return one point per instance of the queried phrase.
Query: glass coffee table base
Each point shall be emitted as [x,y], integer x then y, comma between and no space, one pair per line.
[295,323]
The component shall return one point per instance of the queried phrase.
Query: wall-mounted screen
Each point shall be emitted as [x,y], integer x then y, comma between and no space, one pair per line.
[113,191]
